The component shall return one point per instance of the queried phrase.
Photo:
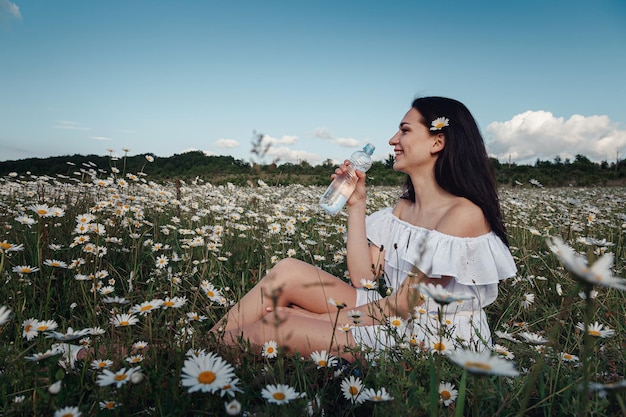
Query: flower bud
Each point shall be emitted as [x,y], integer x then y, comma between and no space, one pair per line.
[55,388]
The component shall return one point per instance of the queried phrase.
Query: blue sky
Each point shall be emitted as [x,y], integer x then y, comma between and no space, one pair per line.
[318,78]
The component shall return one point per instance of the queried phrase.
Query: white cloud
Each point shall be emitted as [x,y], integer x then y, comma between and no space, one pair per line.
[322,133]
[348,142]
[99,138]
[9,10]
[282,154]
[536,135]
[226,143]
[66,124]
[285,140]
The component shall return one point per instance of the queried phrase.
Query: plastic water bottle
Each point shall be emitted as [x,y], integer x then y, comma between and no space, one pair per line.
[342,187]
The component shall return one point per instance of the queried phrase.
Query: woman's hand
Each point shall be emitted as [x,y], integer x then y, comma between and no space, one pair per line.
[359,194]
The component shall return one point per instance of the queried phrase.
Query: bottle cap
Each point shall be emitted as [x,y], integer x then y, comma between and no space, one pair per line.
[369,149]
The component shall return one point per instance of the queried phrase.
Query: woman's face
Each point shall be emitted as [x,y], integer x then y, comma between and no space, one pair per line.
[413,145]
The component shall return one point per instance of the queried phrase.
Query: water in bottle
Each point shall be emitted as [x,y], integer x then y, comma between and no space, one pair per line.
[342,187]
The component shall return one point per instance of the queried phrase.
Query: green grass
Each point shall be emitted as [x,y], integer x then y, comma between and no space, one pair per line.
[224,235]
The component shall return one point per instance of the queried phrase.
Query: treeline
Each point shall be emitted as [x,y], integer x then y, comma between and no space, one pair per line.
[223,169]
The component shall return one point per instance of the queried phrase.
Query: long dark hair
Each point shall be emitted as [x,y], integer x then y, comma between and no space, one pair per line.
[463,167]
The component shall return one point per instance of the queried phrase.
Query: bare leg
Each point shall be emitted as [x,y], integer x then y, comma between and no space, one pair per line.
[296,333]
[290,282]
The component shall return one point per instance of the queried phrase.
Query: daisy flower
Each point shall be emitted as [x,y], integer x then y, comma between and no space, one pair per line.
[337,304]
[439,123]
[5,315]
[533,338]
[598,274]
[355,315]
[68,412]
[42,210]
[124,320]
[230,388]
[442,346]
[108,405]
[206,373]
[345,327]
[24,269]
[503,351]
[568,357]
[43,326]
[55,263]
[115,300]
[45,355]
[482,363]
[527,300]
[146,307]
[279,393]
[140,345]
[29,329]
[439,294]
[447,393]
[368,284]
[70,334]
[396,323]
[323,359]
[162,261]
[351,388]
[596,329]
[370,394]
[174,302]
[134,359]
[233,408]
[270,349]
[101,364]
[118,378]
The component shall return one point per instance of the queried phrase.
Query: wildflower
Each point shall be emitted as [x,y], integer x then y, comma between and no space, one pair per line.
[355,315]
[70,334]
[439,294]
[175,302]
[115,300]
[140,345]
[24,269]
[447,393]
[146,307]
[101,364]
[149,158]
[270,349]
[5,315]
[124,320]
[25,220]
[29,329]
[108,405]
[337,304]
[503,351]
[230,388]
[527,300]
[206,373]
[369,284]
[352,388]
[274,228]
[323,359]
[10,247]
[442,345]
[482,363]
[345,327]
[568,357]
[137,377]
[604,389]
[134,359]
[439,123]
[396,323]
[233,408]
[45,355]
[596,330]
[43,326]
[161,262]
[533,338]
[598,274]
[55,388]
[118,378]
[68,412]
[42,210]
[279,393]
[370,394]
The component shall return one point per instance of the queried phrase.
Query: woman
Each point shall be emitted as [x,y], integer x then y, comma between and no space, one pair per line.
[446,229]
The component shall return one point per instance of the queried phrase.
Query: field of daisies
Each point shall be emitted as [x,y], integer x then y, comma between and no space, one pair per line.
[109,283]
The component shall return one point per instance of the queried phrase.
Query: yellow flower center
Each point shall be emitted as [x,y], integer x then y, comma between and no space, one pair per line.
[146,307]
[445,395]
[439,346]
[110,405]
[353,390]
[270,349]
[322,362]
[68,415]
[439,125]
[102,365]
[124,323]
[396,323]
[594,333]
[5,245]
[28,327]
[478,365]
[168,304]
[279,396]
[41,212]
[567,356]
[206,377]
[210,293]
[42,328]
[120,377]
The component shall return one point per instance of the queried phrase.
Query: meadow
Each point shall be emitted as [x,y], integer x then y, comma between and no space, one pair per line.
[136,272]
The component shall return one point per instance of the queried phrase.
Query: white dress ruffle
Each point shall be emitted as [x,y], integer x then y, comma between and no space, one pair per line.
[476,264]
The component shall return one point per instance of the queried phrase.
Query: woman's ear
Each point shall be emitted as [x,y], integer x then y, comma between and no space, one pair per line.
[439,143]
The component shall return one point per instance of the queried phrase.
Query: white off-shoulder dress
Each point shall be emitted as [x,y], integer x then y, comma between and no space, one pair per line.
[476,264]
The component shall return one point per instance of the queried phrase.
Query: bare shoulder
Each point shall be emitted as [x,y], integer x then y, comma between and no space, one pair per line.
[464,219]
[400,206]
